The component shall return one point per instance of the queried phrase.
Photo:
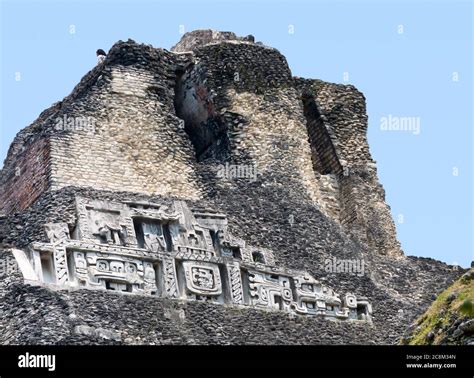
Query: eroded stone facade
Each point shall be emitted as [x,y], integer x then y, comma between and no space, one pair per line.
[154,119]
[175,196]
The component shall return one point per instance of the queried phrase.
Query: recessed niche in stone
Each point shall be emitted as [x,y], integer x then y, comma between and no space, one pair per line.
[47,267]
[205,128]
[323,153]
[232,252]
[152,234]
[118,286]
[258,257]
[215,241]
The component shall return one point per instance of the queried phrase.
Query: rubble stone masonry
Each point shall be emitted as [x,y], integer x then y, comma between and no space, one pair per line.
[220,123]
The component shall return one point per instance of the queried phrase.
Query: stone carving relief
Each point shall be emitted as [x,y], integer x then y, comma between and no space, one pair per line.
[364,309]
[195,239]
[235,280]
[169,278]
[56,232]
[105,222]
[236,248]
[260,256]
[212,221]
[193,236]
[153,237]
[350,301]
[317,299]
[202,278]
[150,249]
[60,263]
[106,226]
[152,211]
[156,226]
[270,290]
[214,226]
[113,272]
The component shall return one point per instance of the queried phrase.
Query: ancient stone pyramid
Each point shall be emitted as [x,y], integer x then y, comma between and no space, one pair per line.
[202,195]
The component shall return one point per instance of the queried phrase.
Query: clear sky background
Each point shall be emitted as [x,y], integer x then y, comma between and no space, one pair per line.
[409,58]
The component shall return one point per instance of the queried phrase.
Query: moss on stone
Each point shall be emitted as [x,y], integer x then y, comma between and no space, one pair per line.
[453,304]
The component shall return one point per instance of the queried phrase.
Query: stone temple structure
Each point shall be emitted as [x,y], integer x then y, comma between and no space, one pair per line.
[202,195]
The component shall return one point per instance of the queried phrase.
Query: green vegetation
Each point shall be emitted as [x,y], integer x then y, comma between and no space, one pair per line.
[454,303]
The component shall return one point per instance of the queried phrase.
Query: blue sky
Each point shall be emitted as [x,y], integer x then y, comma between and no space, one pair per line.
[409,58]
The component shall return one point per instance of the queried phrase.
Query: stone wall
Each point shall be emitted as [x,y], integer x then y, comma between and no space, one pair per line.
[35,315]
[25,177]
[123,111]
[149,115]
[358,197]
[191,41]
[9,271]
[227,128]
[255,101]
[139,144]
[324,155]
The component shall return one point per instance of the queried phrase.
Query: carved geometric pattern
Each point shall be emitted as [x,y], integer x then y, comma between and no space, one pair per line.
[170,280]
[105,254]
[350,300]
[316,299]
[60,263]
[235,280]
[121,273]
[187,253]
[202,278]
[83,223]
[268,290]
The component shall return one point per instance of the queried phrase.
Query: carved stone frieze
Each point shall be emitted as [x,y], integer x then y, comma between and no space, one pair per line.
[267,290]
[235,282]
[56,232]
[202,278]
[169,278]
[152,249]
[113,272]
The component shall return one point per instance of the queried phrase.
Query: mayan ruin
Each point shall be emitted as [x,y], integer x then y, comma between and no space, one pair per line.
[203,195]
